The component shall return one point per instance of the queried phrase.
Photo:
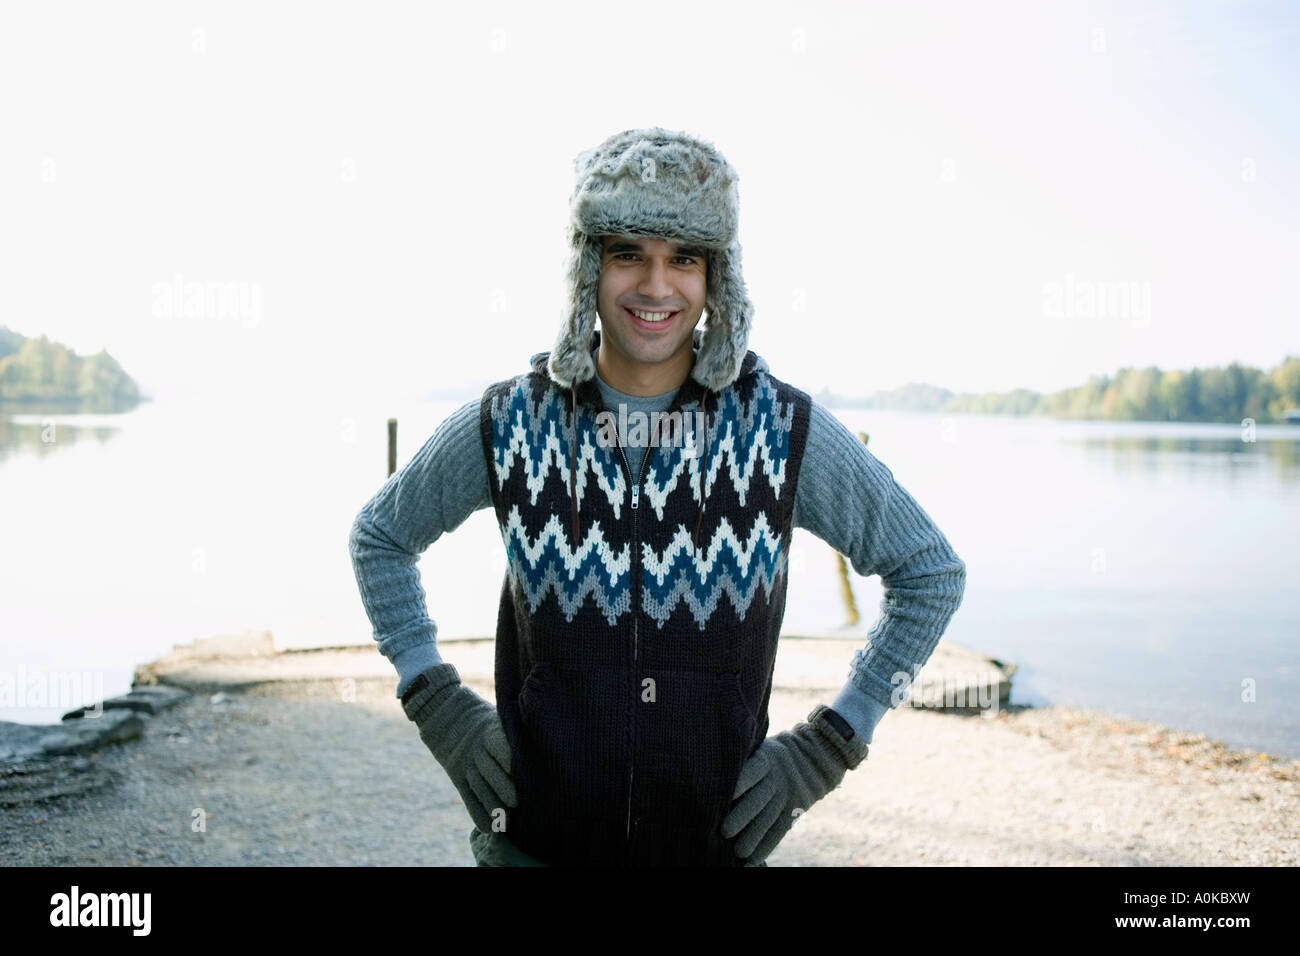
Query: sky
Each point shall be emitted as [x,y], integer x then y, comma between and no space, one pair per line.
[976,196]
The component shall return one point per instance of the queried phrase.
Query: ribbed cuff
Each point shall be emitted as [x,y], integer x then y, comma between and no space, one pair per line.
[414,661]
[860,709]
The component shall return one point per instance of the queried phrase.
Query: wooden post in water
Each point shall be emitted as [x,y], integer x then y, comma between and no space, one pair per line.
[846,589]
[392,446]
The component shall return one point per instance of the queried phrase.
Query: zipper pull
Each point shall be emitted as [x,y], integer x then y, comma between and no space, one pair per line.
[636,495]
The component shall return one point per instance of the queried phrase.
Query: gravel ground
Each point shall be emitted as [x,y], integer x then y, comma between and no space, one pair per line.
[295,774]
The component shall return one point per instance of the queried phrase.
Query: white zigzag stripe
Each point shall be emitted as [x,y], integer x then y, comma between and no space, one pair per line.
[615,487]
[760,535]
[740,474]
[554,453]
[613,604]
[614,565]
[738,471]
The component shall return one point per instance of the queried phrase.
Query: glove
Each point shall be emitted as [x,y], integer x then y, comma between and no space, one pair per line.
[465,736]
[785,776]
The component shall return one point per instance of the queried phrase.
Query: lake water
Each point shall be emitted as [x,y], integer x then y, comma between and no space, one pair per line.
[1145,569]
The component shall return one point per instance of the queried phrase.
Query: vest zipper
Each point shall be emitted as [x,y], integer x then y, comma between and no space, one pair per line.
[636,610]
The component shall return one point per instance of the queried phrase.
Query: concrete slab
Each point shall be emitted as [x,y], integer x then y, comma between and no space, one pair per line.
[955,677]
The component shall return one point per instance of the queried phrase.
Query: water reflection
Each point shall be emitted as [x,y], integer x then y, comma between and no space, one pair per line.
[45,428]
[1149,454]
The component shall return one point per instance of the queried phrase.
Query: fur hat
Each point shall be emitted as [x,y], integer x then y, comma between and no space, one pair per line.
[661,184]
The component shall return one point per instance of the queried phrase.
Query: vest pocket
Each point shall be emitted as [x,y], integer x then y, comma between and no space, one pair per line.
[738,713]
[569,748]
[692,740]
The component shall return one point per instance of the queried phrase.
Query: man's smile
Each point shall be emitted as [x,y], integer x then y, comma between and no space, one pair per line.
[651,320]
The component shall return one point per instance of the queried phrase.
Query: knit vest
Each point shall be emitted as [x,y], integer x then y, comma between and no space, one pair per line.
[634,669]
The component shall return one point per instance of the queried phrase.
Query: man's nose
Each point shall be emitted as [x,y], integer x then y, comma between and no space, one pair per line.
[655,284]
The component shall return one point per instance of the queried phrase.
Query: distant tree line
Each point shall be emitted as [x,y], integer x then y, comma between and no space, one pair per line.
[1220,394]
[34,370]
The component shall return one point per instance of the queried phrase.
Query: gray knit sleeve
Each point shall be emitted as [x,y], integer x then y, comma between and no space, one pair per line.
[434,493]
[850,500]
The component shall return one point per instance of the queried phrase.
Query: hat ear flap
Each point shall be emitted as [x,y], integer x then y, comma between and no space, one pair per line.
[726,333]
[570,361]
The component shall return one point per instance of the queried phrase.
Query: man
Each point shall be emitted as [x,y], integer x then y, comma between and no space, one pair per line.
[646,577]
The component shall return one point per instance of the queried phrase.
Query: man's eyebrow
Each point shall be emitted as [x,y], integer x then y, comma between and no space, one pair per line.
[679,249]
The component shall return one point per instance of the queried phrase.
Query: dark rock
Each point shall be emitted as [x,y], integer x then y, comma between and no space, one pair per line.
[145,698]
[91,733]
[20,742]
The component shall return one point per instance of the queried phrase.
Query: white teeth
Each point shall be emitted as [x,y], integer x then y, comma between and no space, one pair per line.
[650,316]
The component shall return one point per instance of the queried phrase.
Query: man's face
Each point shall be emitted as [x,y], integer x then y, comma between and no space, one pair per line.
[654,276]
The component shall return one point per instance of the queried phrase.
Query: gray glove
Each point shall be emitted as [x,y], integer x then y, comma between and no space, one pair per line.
[464,734]
[785,776]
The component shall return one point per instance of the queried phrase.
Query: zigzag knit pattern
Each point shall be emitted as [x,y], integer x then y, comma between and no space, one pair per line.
[741,551]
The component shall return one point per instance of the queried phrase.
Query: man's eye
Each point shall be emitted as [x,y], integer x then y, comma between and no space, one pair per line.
[687,260]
